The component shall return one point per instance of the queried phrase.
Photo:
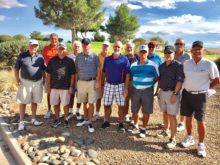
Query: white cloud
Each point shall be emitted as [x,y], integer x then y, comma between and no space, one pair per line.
[163,4]
[2,17]
[134,7]
[10,4]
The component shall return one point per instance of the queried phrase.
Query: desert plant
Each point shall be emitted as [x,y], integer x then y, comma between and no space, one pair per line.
[4,38]
[7,81]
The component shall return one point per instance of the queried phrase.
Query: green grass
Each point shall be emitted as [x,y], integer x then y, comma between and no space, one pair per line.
[212,57]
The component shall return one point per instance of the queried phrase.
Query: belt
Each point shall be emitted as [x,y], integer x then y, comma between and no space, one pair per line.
[196,92]
[90,79]
[114,83]
[30,80]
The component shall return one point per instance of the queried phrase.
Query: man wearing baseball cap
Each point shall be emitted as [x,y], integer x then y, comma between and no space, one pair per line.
[30,83]
[87,81]
[105,53]
[170,83]
[60,79]
[143,73]
[152,55]
[201,74]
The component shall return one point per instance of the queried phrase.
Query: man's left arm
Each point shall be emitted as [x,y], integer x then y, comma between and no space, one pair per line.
[98,71]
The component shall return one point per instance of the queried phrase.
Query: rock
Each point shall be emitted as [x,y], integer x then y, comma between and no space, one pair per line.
[45,159]
[90,163]
[53,150]
[42,164]
[34,143]
[79,141]
[70,143]
[82,156]
[49,133]
[11,128]
[67,151]
[55,162]
[88,141]
[57,156]
[72,163]
[65,155]
[92,153]
[23,132]
[26,147]
[65,134]
[96,161]
[72,149]
[62,148]
[31,155]
[43,146]
[29,127]
[37,130]
[75,153]
[76,160]
[60,139]
[36,159]
[30,149]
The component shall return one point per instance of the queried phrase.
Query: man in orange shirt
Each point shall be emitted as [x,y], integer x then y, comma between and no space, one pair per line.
[49,52]
[105,53]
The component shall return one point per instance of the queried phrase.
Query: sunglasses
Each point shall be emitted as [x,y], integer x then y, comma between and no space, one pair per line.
[167,52]
[179,44]
[151,47]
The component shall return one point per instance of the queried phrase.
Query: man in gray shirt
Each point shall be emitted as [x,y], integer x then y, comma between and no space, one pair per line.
[181,56]
[87,81]
[30,84]
[200,75]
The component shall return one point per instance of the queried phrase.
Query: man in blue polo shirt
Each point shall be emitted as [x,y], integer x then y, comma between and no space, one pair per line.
[144,74]
[152,55]
[116,71]
[30,84]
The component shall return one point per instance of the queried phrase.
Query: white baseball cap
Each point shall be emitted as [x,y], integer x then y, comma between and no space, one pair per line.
[33,42]
[143,47]
[106,43]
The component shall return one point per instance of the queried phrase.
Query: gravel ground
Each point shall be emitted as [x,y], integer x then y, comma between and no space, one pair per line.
[124,148]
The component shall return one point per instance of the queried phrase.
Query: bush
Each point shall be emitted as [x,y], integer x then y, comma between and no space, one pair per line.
[20,37]
[98,37]
[10,50]
[4,38]
[138,42]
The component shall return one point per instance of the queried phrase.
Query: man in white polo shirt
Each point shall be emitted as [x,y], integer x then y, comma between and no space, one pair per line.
[200,75]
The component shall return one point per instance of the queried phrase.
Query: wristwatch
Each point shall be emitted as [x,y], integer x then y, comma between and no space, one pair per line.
[175,93]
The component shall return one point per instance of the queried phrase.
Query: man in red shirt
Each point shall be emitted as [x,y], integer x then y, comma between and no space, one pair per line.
[49,52]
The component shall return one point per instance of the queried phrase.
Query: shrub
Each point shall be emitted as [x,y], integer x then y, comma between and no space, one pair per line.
[98,37]
[138,42]
[4,38]
[20,37]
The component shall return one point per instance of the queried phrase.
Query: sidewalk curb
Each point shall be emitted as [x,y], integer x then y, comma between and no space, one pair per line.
[20,157]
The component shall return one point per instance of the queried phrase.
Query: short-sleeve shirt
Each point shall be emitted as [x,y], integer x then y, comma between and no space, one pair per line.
[170,75]
[133,59]
[31,66]
[143,75]
[72,56]
[156,59]
[116,69]
[87,65]
[198,76]
[61,71]
[101,59]
[185,56]
[49,52]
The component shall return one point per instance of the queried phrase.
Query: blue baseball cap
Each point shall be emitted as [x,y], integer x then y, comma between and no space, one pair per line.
[170,48]
[86,41]
[197,43]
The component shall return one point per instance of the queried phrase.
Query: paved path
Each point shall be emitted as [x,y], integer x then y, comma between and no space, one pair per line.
[6,157]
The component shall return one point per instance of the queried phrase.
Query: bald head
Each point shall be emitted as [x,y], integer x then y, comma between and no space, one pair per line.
[179,44]
[117,47]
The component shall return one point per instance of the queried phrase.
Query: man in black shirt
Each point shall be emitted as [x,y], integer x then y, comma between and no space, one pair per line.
[61,70]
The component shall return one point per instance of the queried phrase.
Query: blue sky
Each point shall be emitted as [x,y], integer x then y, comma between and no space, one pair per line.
[169,19]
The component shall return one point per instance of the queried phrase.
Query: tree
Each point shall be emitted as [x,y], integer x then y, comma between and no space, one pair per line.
[98,37]
[138,42]
[157,38]
[166,43]
[4,38]
[36,35]
[123,25]
[20,37]
[74,15]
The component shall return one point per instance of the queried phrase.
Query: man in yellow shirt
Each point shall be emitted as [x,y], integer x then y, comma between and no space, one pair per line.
[105,52]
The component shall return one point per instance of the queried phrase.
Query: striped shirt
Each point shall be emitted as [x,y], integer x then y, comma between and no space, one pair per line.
[87,65]
[143,75]
[198,76]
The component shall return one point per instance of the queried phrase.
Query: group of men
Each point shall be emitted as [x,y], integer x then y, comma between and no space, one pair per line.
[179,81]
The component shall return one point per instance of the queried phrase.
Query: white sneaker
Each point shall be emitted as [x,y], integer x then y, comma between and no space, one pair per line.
[21,126]
[48,114]
[35,122]
[180,127]
[96,117]
[127,118]
[60,114]
[78,116]
[188,141]
[90,128]
[70,115]
[201,150]
[84,122]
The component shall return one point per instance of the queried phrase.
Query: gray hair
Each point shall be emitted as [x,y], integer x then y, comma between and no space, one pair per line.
[77,42]
[53,34]
[131,43]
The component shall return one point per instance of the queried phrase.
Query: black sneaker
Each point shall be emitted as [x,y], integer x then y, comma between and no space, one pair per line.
[133,129]
[142,133]
[105,125]
[66,124]
[121,127]
[56,123]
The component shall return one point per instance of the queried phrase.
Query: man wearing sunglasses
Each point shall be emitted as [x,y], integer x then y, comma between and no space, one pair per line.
[181,56]
[152,55]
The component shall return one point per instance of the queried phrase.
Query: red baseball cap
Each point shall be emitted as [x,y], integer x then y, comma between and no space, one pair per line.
[152,43]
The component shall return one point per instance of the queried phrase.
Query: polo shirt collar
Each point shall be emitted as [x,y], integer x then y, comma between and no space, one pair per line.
[145,62]
[87,54]
[149,57]
[36,54]
[116,58]
[198,62]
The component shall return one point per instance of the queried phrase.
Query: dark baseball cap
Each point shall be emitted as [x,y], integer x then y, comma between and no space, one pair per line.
[152,43]
[86,41]
[170,48]
[197,43]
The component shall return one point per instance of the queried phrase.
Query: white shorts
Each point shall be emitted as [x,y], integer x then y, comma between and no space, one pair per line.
[30,92]
[165,105]
[59,95]
[111,91]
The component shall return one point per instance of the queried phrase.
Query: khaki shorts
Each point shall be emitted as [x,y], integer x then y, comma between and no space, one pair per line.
[165,105]
[30,92]
[59,95]
[86,92]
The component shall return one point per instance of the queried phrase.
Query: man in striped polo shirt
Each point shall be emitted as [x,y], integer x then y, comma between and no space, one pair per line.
[144,74]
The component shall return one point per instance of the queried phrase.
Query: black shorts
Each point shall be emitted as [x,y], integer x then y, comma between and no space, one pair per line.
[194,104]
